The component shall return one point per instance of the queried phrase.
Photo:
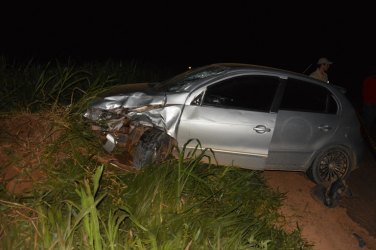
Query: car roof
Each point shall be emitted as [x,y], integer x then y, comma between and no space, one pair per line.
[244,66]
[260,68]
[197,77]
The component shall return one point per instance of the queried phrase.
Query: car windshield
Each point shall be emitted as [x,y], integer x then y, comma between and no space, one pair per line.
[183,81]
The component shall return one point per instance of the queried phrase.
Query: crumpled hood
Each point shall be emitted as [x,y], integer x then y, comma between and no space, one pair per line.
[138,103]
[129,101]
[129,97]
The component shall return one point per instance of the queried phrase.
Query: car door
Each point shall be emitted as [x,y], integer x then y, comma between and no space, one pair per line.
[307,119]
[233,118]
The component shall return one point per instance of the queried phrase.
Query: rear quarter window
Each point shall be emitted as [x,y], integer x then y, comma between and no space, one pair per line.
[307,97]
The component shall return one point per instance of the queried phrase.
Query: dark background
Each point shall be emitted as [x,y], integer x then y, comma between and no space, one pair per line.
[182,34]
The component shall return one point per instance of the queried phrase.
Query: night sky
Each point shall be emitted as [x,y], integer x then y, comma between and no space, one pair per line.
[185,33]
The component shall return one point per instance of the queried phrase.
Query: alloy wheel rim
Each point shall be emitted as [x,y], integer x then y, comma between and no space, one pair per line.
[333,165]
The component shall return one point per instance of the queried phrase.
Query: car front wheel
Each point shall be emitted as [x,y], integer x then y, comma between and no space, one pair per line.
[154,147]
[331,164]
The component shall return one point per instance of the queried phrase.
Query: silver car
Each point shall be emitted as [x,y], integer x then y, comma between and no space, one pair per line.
[251,116]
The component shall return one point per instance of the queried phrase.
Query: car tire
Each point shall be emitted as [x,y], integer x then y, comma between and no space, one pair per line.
[331,164]
[154,147]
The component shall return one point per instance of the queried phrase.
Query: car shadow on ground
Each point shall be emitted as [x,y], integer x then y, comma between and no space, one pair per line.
[361,205]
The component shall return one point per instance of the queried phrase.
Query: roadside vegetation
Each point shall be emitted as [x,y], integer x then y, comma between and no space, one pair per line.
[75,201]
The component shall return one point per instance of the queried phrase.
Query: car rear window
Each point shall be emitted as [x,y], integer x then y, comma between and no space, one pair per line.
[307,97]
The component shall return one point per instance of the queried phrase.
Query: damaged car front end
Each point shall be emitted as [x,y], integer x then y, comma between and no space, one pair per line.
[143,124]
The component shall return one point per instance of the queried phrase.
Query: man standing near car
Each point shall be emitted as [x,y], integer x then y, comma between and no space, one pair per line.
[321,72]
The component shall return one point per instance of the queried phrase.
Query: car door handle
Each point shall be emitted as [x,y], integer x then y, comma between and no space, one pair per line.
[324,128]
[261,129]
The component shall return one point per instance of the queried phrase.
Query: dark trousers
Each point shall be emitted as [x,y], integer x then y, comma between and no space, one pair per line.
[369,115]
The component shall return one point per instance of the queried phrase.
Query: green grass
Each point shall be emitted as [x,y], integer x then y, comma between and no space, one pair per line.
[218,208]
[81,204]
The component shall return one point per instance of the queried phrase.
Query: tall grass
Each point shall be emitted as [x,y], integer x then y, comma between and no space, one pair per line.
[217,208]
[32,85]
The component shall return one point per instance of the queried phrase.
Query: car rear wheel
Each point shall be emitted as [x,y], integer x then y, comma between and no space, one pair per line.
[154,147]
[331,164]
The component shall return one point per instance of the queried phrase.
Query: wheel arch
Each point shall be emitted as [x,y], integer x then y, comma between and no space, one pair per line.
[329,146]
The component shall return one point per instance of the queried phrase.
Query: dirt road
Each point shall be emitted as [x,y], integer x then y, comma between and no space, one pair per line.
[361,206]
[349,225]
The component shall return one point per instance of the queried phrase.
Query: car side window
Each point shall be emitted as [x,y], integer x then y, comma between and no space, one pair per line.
[250,92]
[307,97]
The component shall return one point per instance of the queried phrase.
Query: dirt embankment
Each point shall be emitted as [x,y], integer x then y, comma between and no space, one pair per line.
[23,139]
